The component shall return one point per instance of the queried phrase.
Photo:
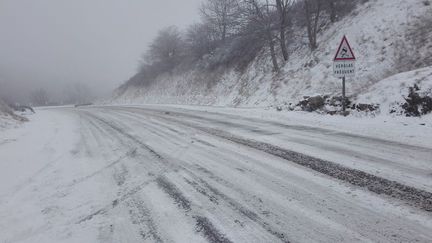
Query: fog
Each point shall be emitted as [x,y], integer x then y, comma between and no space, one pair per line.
[55,44]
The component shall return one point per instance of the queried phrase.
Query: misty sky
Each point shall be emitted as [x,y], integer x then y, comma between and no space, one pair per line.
[97,42]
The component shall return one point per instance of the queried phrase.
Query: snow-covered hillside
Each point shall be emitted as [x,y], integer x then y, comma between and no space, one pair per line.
[384,36]
[7,117]
[392,91]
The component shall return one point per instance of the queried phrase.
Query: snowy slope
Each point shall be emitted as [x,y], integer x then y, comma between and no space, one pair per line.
[7,116]
[391,91]
[379,31]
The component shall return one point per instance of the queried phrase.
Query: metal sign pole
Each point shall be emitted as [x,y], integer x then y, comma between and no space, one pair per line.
[343,95]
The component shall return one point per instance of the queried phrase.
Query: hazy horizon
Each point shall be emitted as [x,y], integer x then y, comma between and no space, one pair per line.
[52,44]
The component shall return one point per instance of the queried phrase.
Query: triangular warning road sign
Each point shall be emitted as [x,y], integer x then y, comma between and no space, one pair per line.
[344,52]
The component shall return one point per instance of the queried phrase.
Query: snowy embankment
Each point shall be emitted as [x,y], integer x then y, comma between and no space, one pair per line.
[384,36]
[391,92]
[8,118]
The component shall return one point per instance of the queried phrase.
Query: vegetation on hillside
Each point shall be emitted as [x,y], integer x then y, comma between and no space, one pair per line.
[231,33]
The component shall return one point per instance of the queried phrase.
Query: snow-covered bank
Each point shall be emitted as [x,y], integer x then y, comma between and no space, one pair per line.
[8,118]
[39,142]
[391,92]
[38,160]
[383,36]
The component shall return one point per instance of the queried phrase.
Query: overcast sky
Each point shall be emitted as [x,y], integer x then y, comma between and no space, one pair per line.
[98,42]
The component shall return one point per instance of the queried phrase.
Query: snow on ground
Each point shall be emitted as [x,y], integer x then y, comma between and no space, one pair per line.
[134,174]
[351,142]
[391,91]
[415,131]
[7,122]
[35,138]
[39,164]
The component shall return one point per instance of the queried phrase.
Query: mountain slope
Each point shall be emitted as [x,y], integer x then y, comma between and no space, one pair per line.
[385,37]
[392,91]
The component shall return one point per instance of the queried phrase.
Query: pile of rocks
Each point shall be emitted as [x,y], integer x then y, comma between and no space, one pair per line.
[417,103]
[328,105]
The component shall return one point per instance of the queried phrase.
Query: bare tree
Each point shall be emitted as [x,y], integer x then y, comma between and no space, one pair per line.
[224,15]
[39,97]
[77,93]
[283,7]
[166,48]
[200,40]
[332,10]
[339,8]
[312,11]
[260,14]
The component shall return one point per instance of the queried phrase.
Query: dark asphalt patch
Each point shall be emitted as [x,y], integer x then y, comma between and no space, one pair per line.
[204,226]
[174,193]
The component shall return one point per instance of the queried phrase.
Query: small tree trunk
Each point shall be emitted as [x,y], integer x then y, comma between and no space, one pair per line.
[282,26]
[283,44]
[312,28]
[273,53]
[223,34]
[224,23]
[317,16]
[332,6]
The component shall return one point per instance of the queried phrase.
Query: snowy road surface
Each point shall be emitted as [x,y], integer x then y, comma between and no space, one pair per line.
[164,174]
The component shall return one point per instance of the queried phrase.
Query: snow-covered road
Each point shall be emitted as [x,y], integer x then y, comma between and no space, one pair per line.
[165,174]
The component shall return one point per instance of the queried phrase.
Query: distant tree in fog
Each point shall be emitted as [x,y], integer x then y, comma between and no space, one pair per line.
[39,97]
[77,93]
[166,49]
[339,8]
[200,40]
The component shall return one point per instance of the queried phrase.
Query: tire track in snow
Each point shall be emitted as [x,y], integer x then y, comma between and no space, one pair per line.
[412,196]
[216,196]
[120,175]
[101,170]
[305,128]
[135,205]
[218,180]
[233,204]
[385,159]
[141,216]
[116,202]
[174,193]
[212,194]
[208,229]
[203,225]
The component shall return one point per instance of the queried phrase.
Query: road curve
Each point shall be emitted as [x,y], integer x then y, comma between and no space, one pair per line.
[157,174]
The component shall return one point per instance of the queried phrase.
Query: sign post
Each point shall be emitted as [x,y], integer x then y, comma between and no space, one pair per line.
[344,65]
[343,95]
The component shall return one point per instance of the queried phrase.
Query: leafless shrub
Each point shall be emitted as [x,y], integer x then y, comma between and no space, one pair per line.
[231,33]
